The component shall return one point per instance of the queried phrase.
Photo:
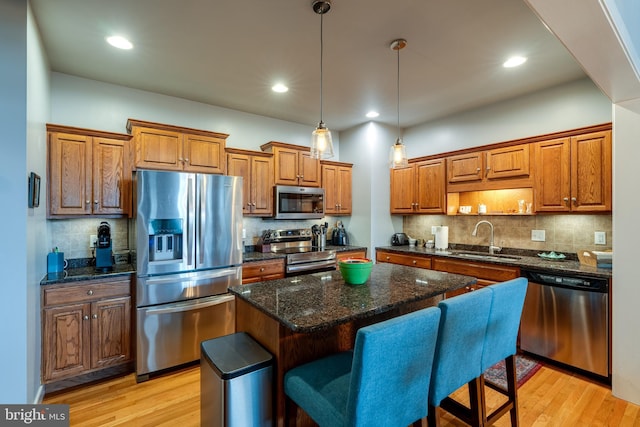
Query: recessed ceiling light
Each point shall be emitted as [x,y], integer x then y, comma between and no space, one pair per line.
[514,61]
[119,42]
[372,114]
[280,88]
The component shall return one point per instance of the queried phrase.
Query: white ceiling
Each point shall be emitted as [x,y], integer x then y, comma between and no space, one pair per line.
[230,52]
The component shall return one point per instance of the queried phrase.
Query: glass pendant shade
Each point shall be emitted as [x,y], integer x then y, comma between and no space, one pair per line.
[321,143]
[398,155]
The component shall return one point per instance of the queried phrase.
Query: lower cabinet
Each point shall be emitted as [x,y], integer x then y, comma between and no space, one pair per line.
[86,326]
[402,259]
[259,271]
[486,274]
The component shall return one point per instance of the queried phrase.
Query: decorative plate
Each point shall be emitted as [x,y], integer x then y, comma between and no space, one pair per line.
[552,255]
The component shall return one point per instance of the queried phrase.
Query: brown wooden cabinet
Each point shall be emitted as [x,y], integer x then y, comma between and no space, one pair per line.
[419,188]
[498,168]
[259,271]
[256,169]
[89,172]
[404,259]
[573,174]
[293,164]
[86,326]
[486,273]
[336,181]
[168,147]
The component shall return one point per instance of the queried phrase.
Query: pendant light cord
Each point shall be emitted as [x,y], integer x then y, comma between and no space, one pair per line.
[398,94]
[321,56]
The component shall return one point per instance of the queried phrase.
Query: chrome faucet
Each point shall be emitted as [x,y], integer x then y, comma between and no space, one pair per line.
[492,247]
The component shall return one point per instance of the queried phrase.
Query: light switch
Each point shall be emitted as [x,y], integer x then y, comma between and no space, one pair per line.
[93,240]
[433,229]
[537,235]
[600,238]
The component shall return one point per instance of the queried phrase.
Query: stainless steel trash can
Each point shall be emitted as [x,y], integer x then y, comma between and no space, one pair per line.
[235,382]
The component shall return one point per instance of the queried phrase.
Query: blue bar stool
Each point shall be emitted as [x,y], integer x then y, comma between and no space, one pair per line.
[500,343]
[458,356]
[383,382]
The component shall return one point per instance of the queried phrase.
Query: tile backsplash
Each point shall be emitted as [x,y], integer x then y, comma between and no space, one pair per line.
[563,233]
[71,236]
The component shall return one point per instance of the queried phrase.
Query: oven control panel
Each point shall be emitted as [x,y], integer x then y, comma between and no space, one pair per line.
[293,235]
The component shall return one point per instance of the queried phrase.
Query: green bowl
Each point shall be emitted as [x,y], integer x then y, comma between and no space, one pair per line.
[355,271]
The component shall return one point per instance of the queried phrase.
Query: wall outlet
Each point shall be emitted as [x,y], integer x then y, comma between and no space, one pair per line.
[93,240]
[433,229]
[537,235]
[600,238]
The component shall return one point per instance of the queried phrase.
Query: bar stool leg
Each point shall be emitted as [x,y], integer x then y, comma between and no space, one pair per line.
[512,387]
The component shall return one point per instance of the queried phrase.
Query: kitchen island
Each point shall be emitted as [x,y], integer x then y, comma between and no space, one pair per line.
[303,318]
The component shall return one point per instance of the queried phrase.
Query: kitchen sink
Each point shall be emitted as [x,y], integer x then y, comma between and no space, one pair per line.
[485,256]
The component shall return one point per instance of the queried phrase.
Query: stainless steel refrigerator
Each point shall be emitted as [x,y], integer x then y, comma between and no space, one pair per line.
[188,231]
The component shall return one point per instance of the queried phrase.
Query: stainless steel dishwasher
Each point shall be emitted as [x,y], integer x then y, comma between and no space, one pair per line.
[566,319]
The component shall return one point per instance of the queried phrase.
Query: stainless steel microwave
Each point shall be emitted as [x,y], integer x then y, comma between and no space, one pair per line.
[298,202]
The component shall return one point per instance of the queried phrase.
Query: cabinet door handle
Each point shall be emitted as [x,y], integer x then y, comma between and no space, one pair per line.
[89,292]
[566,199]
[574,200]
[180,159]
[88,201]
[95,202]
[477,169]
[85,317]
[95,316]
[186,160]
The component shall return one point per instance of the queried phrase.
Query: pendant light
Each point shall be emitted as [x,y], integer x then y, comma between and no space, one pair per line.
[321,144]
[397,152]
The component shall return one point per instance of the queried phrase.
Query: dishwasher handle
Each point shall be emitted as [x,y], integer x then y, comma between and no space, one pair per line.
[568,281]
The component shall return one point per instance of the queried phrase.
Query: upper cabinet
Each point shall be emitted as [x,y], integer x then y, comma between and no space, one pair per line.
[574,173]
[419,188]
[498,168]
[256,169]
[89,172]
[167,147]
[293,164]
[336,181]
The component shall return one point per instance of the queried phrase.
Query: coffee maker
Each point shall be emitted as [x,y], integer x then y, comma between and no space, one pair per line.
[104,259]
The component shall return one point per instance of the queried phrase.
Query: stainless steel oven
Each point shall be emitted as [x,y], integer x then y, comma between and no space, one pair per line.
[301,256]
[298,202]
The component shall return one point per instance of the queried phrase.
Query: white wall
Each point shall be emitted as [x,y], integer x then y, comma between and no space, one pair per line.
[37,116]
[367,147]
[626,233]
[95,105]
[573,105]
[14,305]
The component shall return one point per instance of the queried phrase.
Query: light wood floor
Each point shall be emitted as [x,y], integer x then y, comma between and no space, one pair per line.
[550,398]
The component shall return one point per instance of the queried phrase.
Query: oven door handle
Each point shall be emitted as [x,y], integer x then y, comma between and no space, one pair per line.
[181,306]
[310,266]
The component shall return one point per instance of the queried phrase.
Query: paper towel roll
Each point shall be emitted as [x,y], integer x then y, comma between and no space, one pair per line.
[442,238]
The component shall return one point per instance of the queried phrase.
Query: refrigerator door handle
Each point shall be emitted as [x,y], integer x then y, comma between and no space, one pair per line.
[200,236]
[182,306]
[191,203]
[173,279]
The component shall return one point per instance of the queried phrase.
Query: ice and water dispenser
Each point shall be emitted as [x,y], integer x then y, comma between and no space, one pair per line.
[165,240]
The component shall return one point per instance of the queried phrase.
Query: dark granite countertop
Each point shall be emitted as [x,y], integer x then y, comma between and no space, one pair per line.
[526,259]
[87,273]
[316,301]
[261,256]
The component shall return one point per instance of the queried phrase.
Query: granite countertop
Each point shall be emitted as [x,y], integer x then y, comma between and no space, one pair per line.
[87,273]
[317,301]
[526,259]
[262,256]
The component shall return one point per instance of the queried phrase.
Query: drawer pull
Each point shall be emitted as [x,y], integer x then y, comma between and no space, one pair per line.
[261,269]
[414,262]
[89,292]
[388,258]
